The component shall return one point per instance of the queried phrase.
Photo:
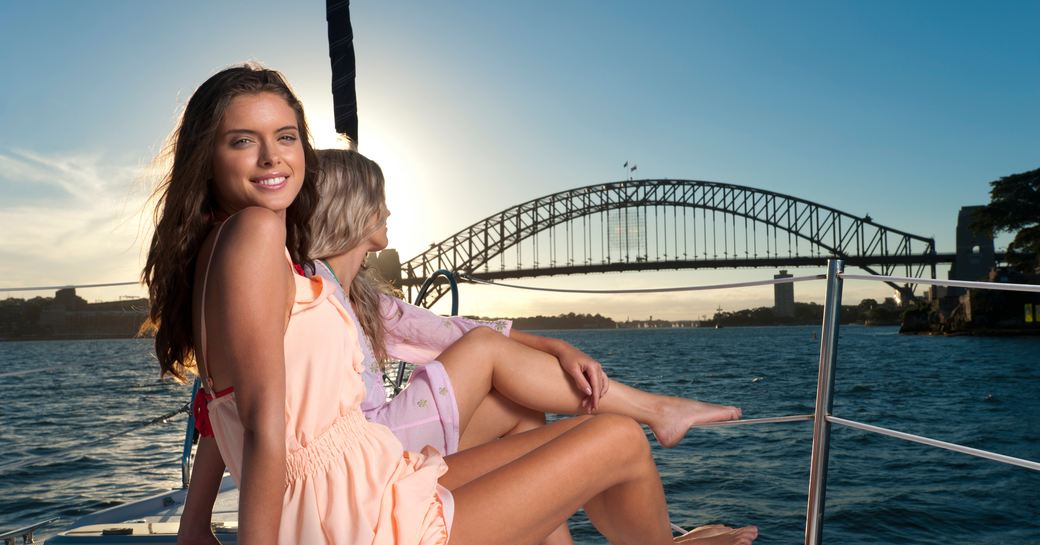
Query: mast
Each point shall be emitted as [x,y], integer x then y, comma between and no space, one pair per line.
[341,55]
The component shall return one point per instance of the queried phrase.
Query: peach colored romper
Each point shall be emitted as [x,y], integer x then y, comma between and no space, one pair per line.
[348,482]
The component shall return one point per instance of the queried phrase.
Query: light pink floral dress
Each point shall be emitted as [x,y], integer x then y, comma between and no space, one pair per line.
[426,412]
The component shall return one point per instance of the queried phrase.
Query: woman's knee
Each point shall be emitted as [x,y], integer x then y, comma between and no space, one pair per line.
[623,434]
[478,341]
[480,334]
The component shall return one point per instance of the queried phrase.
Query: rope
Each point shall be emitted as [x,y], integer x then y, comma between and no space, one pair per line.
[42,288]
[773,281]
[65,451]
[955,283]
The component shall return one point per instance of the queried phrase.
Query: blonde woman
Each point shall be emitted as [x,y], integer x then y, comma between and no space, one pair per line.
[446,404]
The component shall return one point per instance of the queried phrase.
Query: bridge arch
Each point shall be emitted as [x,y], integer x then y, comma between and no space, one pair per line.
[825,231]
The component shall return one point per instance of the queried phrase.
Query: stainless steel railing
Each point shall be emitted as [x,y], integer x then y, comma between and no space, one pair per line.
[824,403]
[822,417]
[825,385]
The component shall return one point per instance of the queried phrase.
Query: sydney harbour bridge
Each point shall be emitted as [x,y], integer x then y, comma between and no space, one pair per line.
[640,225]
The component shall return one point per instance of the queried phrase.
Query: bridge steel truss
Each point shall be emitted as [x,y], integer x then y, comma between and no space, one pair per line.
[830,233]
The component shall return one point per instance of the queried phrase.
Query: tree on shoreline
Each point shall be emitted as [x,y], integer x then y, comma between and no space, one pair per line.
[1015,206]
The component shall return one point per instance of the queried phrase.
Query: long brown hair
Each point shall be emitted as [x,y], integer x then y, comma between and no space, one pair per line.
[185,208]
[351,190]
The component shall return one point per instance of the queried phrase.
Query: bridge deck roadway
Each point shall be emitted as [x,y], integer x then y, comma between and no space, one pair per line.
[640,265]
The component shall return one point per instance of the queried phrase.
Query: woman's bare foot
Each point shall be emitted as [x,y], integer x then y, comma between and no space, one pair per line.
[707,530]
[719,535]
[675,415]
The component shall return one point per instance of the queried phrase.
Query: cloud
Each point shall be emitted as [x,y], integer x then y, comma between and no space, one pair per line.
[79,177]
[69,218]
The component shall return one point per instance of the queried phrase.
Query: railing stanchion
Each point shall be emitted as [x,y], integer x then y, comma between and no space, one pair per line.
[824,403]
[189,436]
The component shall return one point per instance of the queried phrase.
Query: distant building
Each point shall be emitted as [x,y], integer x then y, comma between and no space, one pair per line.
[388,265]
[68,316]
[975,253]
[783,297]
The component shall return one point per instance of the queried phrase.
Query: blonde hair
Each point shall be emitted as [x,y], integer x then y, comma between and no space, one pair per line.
[351,193]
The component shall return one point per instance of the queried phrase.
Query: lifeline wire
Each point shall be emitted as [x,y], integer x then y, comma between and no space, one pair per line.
[1011,460]
[42,288]
[66,450]
[773,281]
[1004,286]
[766,420]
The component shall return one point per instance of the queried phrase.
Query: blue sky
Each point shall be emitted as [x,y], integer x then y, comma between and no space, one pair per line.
[903,110]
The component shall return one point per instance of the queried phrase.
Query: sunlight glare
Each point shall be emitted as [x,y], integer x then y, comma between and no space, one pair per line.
[403,179]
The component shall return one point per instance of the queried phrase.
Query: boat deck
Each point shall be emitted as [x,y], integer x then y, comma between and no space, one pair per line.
[152,520]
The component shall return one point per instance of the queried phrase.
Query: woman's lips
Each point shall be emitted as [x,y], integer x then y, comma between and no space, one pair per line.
[270,182]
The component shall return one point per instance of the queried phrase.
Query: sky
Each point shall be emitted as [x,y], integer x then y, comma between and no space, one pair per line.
[903,110]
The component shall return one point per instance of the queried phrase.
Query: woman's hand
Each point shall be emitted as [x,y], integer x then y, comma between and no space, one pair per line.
[587,373]
[206,537]
[584,370]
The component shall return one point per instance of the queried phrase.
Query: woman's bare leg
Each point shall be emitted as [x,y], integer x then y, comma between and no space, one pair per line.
[717,534]
[599,436]
[468,465]
[520,488]
[484,360]
[497,417]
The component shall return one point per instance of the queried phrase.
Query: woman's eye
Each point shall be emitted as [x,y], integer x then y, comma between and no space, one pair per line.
[289,138]
[238,142]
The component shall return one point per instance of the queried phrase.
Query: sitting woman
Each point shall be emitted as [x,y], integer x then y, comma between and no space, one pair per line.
[447,404]
[286,373]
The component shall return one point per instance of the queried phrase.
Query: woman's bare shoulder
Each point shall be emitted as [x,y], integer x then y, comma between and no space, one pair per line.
[255,224]
[250,248]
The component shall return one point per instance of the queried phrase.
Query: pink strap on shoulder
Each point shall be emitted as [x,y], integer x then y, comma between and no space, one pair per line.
[207,380]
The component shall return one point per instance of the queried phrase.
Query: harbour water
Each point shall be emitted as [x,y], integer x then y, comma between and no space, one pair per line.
[981,392]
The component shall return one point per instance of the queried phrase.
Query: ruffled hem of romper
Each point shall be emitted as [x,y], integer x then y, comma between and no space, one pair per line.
[432,526]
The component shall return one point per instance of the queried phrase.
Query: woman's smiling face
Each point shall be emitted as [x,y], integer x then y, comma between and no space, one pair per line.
[259,159]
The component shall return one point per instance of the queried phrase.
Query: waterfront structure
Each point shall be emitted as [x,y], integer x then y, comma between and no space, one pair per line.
[975,251]
[68,316]
[783,296]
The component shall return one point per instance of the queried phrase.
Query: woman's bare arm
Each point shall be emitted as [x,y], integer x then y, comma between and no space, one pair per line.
[208,470]
[584,370]
[246,351]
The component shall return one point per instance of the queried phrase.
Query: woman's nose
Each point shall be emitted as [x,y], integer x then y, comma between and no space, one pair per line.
[268,155]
